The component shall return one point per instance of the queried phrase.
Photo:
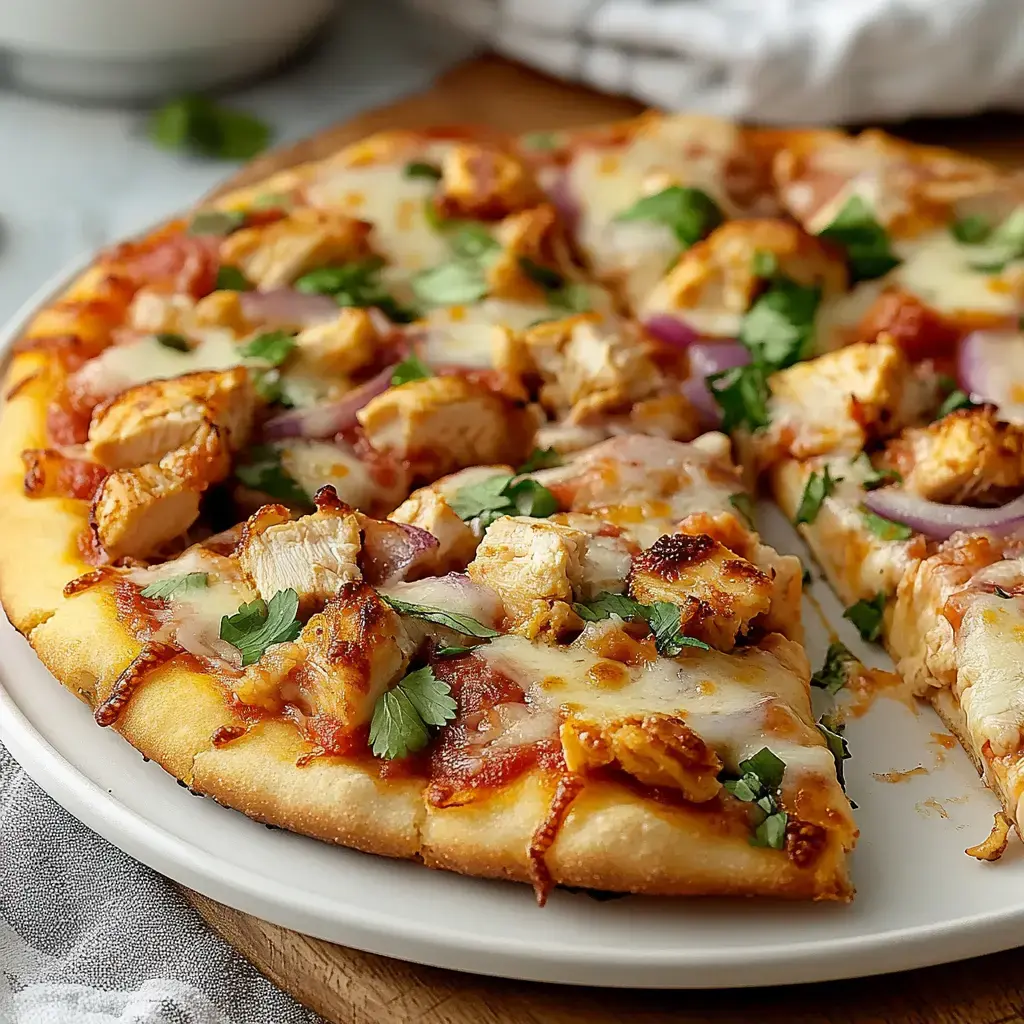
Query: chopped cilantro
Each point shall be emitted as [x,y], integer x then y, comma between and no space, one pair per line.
[503,495]
[259,625]
[177,586]
[355,284]
[956,399]
[971,230]
[690,213]
[758,783]
[540,458]
[451,284]
[216,222]
[778,329]
[263,472]
[742,394]
[866,242]
[410,368]
[231,279]
[540,141]
[876,478]
[835,671]
[175,342]
[421,169]
[198,125]
[818,487]
[662,618]
[403,714]
[539,274]
[1001,246]
[452,650]
[744,504]
[832,728]
[867,615]
[460,623]
[765,264]
[273,347]
[268,385]
[886,529]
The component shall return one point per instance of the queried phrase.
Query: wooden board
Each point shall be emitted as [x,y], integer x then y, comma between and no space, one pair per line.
[350,987]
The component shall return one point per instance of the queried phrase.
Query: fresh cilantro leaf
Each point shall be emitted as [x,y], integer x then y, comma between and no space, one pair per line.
[451,284]
[997,590]
[231,279]
[765,264]
[267,384]
[258,625]
[767,767]
[742,394]
[503,495]
[744,504]
[868,251]
[471,241]
[570,296]
[401,716]
[272,201]
[886,529]
[411,368]
[196,124]
[1004,244]
[956,399]
[818,487]
[662,618]
[778,329]
[876,478]
[355,284]
[263,472]
[433,216]
[971,230]
[772,831]
[421,169]
[760,777]
[445,651]
[539,141]
[460,623]
[540,458]
[690,213]
[175,342]
[835,671]
[177,586]
[867,616]
[273,347]
[216,222]
[539,274]
[832,729]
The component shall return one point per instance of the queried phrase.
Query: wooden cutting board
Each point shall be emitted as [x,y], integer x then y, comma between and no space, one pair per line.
[349,987]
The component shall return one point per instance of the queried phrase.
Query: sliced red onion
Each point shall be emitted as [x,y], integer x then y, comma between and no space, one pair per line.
[671,330]
[941,521]
[330,418]
[286,307]
[707,358]
[990,365]
[561,195]
[394,552]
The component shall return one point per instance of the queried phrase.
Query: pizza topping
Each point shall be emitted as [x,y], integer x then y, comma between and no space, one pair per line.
[819,486]
[152,656]
[941,521]
[996,247]
[355,284]
[402,716]
[540,458]
[778,329]
[502,495]
[463,624]
[410,368]
[272,347]
[689,213]
[199,125]
[833,674]
[832,727]
[231,279]
[177,586]
[50,474]
[867,616]
[462,280]
[994,846]
[742,393]
[263,472]
[455,541]
[663,618]
[216,222]
[176,342]
[759,783]
[259,625]
[422,169]
[866,242]
[886,529]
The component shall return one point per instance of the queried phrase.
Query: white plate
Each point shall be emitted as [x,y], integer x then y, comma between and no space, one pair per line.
[920,899]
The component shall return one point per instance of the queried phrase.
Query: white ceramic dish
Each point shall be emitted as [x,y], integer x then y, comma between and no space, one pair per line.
[920,899]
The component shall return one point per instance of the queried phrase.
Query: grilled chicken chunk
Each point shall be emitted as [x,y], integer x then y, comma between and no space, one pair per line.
[484,183]
[456,542]
[718,593]
[145,422]
[337,348]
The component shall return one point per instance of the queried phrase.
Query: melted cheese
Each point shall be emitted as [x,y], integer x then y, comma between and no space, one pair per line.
[136,362]
[312,464]
[454,593]
[990,671]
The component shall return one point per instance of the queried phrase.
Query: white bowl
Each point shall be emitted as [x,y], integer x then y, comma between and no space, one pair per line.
[140,50]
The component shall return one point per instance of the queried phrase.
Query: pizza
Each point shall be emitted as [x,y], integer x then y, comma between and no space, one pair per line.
[405,499]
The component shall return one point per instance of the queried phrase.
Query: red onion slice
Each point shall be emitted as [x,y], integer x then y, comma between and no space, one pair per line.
[671,330]
[561,195]
[394,552]
[990,365]
[707,358]
[941,521]
[286,307]
[331,418]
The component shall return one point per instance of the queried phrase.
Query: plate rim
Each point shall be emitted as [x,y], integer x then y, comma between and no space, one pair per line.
[802,962]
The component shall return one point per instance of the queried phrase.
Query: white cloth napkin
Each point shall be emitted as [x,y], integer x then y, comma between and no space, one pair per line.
[784,61]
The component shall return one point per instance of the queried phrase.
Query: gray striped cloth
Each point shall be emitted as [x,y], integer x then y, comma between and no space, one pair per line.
[784,61]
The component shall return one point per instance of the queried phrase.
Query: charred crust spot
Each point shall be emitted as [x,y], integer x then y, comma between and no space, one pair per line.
[568,788]
[224,734]
[741,569]
[804,842]
[148,660]
[89,580]
[671,554]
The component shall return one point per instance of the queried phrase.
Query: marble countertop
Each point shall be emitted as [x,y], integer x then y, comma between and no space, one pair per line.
[73,179]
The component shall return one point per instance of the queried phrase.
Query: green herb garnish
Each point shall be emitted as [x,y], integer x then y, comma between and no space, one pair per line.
[662,618]
[540,141]
[175,342]
[868,251]
[231,279]
[503,495]
[818,487]
[263,472]
[759,782]
[355,284]
[690,213]
[1000,246]
[876,478]
[177,586]
[273,347]
[886,529]
[971,230]
[956,399]
[402,716]
[460,623]
[259,625]
[410,368]
[198,125]
[216,222]
[744,504]
[833,674]
[742,394]
[540,458]
[867,616]
[832,728]
[421,169]
[778,329]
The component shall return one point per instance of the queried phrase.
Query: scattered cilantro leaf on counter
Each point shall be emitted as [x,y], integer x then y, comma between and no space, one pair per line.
[402,715]
[758,783]
[231,279]
[868,251]
[835,671]
[662,618]
[198,125]
[411,368]
[867,616]
[778,329]
[818,487]
[744,504]
[503,495]
[540,458]
[263,472]
[886,529]
[464,624]
[690,213]
[273,347]
[742,394]
[177,586]
[422,169]
[259,625]
[175,342]
[832,728]
[355,284]
[216,222]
